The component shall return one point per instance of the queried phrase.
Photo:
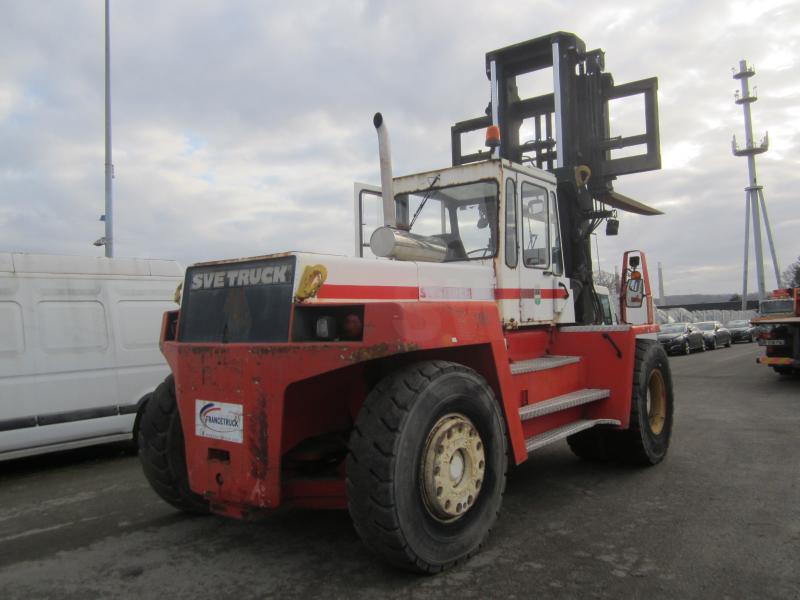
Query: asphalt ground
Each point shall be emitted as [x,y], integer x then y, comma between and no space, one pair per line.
[719,518]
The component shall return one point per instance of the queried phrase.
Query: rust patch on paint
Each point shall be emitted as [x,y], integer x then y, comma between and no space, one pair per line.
[379,351]
[259,437]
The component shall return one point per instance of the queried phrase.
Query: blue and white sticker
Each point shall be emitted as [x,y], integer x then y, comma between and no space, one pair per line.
[219,420]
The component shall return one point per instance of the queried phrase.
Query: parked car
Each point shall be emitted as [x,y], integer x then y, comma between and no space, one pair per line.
[715,334]
[741,330]
[681,338]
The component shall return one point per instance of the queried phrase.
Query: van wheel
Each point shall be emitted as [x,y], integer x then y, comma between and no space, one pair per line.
[646,440]
[162,452]
[427,466]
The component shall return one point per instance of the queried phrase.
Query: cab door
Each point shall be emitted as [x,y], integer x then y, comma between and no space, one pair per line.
[544,291]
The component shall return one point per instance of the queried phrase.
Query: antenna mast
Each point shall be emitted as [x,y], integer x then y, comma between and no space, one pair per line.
[754,193]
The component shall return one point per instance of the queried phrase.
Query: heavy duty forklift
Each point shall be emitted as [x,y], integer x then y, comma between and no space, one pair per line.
[402,383]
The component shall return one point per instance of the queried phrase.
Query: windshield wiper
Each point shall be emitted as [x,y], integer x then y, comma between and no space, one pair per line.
[428,193]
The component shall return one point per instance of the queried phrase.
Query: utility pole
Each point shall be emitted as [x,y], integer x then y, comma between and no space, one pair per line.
[661,300]
[108,217]
[754,193]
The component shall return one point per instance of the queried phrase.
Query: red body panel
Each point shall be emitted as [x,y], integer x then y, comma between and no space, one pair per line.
[291,392]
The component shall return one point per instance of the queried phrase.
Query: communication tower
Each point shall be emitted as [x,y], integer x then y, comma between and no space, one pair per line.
[754,193]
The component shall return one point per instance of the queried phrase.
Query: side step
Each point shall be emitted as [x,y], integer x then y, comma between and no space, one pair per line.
[531,411]
[559,433]
[542,363]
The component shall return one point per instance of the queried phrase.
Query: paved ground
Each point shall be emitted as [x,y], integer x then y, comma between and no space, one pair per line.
[719,518]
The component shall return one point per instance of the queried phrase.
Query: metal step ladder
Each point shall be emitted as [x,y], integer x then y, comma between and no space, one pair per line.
[577,398]
[559,403]
[548,361]
[559,433]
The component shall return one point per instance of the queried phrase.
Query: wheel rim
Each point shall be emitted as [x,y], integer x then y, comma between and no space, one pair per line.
[453,466]
[656,402]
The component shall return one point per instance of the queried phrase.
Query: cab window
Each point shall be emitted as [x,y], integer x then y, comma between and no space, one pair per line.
[512,250]
[535,235]
[555,238]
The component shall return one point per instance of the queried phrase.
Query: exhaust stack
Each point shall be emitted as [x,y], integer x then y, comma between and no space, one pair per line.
[385,153]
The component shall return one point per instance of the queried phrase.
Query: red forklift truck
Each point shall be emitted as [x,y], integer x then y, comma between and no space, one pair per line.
[400,384]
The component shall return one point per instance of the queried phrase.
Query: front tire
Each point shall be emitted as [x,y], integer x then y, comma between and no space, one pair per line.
[427,463]
[646,441]
[162,451]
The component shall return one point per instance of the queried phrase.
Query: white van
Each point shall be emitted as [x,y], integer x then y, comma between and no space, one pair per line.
[78,347]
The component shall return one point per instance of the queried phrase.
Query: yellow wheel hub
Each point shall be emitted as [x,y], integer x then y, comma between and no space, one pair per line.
[656,401]
[453,466]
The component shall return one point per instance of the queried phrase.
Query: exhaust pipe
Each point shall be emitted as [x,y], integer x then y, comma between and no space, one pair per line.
[385,153]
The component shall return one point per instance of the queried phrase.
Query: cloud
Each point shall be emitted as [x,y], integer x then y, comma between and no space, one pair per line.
[238,128]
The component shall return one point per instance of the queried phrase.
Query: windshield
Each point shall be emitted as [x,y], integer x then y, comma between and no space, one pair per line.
[733,324]
[771,307]
[463,216]
[672,328]
[705,326]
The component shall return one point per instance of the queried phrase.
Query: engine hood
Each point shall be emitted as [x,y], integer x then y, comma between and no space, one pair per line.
[330,278]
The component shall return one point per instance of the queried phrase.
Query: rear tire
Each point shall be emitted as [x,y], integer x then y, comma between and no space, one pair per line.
[400,469]
[646,441]
[162,451]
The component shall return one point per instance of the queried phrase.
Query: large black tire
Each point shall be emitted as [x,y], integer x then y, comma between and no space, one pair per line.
[403,423]
[162,452]
[646,441]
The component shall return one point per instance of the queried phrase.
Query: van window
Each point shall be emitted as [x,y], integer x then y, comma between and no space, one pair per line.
[140,322]
[70,326]
[12,339]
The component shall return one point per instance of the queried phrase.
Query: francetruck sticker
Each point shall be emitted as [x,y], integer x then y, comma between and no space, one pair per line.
[218,420]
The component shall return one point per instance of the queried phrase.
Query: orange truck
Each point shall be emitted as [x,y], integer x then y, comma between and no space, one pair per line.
[778,326]
[467,333]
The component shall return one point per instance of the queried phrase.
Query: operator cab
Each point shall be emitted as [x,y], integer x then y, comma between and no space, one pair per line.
[494,213]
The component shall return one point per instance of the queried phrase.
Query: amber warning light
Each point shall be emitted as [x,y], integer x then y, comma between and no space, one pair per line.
[493,136]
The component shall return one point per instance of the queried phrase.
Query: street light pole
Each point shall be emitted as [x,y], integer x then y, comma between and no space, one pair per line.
[108,217]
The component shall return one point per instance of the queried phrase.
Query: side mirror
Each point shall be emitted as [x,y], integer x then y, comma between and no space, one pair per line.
[634,295]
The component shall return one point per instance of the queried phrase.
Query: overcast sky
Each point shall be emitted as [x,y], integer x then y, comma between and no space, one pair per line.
[239,127]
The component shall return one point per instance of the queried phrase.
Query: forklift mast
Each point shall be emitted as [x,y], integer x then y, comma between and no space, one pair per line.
[571,138]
